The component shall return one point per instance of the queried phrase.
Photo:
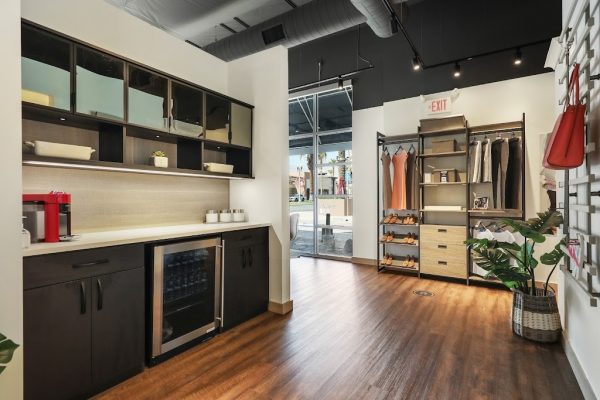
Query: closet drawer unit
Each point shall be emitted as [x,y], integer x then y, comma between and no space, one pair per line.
[434,264]
[449,252]
[443,234]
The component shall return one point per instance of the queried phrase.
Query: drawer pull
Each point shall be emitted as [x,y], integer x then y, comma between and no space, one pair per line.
[91,263]
[100,294]
[442,230]
[82,298]
[442,246]
[442,262]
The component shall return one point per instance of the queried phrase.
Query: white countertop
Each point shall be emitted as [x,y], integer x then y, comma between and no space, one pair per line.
[126,236]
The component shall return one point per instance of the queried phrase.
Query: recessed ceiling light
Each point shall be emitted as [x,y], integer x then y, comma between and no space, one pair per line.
[157,136]
[340,83]
[416,64]
[62,118]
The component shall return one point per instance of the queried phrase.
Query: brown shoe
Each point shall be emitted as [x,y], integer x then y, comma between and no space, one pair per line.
[412,262]
[410,239]
[387,219]
[389,259]
[394,219]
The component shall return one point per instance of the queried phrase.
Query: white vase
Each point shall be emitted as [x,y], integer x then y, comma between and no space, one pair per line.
[161,162]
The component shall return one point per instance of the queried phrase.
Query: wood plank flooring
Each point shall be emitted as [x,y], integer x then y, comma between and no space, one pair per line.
[357,334]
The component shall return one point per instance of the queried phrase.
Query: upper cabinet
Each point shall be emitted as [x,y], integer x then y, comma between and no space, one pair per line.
[217,118]
[45,69]
[241,125]
[99,84]
[187,103]
[128,113]
[147,96]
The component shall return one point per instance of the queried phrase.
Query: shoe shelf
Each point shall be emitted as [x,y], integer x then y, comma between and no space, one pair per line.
[400,263]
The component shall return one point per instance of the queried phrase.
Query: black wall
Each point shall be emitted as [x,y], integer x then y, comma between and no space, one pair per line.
[442,30]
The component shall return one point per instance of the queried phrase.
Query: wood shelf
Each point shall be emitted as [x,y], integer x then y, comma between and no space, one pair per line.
[458,153]
[404,225]
[416,244]
[396,267]
[444,211]
[497,213]
[33,160]
[444,184]
[495,128]
[447,132]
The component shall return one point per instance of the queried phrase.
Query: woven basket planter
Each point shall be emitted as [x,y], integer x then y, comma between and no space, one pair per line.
[536,317]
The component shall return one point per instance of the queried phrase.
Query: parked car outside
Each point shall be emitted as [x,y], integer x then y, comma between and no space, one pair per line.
[296,198]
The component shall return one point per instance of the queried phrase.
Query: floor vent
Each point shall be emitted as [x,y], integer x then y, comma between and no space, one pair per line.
[423,293]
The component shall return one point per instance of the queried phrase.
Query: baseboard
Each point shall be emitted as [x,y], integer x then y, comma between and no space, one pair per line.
[364,261]
[281,308]
[584,383]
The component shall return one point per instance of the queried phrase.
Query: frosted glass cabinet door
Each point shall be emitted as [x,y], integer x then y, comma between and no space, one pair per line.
[147,97]
[241,125]
[45,69]
[100,89]
[187,110]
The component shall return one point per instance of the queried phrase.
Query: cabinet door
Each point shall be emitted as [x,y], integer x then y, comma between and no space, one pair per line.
[258,275]
[235,284]
[117,326]
[45,69]
[99,84]
[241,125]
[147,99]
[186,110]
[57,333]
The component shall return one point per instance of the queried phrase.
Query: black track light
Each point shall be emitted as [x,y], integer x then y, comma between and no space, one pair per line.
[456,70]
[416,64]
[518,60]
[340,83]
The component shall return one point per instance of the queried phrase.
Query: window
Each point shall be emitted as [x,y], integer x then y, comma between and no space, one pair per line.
[320,171]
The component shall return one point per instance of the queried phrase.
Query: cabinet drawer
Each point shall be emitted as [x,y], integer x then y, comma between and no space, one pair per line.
[450,267]
[62,267]
[444,234]
[448,252]
[246,237]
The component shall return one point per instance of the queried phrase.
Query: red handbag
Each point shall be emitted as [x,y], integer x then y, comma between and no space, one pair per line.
[566,146]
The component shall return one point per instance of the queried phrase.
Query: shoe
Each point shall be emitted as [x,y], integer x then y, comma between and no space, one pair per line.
[404,263]
[412,220]
[387,219]
[384,237]
[410,239]
[390,237]
[389,260]
[404,239]
[406,220]
[411,262]
[394,219]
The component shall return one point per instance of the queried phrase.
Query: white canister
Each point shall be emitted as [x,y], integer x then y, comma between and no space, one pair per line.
[212,217]
[225,216]
[239,215]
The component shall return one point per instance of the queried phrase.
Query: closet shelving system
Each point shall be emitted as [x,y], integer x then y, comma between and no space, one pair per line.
[396,248]
[444,202]
[505,130]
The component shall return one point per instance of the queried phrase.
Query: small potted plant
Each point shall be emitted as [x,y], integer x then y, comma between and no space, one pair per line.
[159,159]
[534,312]
[7,349]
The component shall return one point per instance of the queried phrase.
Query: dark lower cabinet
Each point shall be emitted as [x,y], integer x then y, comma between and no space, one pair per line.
[117,326]
[83,335]
[246,275]
[58,338]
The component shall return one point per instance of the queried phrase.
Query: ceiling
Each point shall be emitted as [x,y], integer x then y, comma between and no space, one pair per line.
[201,21]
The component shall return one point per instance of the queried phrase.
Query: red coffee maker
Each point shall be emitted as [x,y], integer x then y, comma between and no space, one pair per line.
[48,216]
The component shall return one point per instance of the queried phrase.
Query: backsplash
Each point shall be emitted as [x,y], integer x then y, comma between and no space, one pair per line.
[109,200]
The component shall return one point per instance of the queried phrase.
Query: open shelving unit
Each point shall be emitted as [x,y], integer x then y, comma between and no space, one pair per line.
[398,250]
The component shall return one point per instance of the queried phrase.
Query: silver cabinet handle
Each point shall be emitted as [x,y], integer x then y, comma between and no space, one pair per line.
[222,282]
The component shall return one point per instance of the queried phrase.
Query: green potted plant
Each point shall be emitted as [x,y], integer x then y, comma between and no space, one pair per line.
[7,349]
[159,159]
[534,312]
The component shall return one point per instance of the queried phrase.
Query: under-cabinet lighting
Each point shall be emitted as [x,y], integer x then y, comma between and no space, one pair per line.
[62,118]
[117,169]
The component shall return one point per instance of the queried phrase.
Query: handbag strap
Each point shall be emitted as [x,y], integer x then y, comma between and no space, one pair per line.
[574,85]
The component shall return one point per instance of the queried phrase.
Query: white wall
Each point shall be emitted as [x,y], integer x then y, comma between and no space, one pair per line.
[110,28]
[485,104]
[262,80]
[581,323]
[11,277]
[365,125]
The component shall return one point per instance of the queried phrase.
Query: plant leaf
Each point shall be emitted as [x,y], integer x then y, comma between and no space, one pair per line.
[524,229]
[497,262]
[554,256]
[527,248]
[2,337]
[7,348]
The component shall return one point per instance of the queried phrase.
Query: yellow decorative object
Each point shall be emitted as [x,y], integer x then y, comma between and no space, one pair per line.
[36,97]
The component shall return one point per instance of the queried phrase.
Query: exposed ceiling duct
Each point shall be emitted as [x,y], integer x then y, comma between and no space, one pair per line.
[309,22]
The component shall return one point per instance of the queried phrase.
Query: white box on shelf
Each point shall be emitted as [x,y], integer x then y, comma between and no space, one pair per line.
[50,149]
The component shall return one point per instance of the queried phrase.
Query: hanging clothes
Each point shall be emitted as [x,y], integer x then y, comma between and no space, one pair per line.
[399,186]
[512,194]
[499,166]
[475,162]
[411,181]
[386,162]
[487,161]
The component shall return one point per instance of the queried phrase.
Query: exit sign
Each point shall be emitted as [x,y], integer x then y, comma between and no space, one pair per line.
[438,106]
